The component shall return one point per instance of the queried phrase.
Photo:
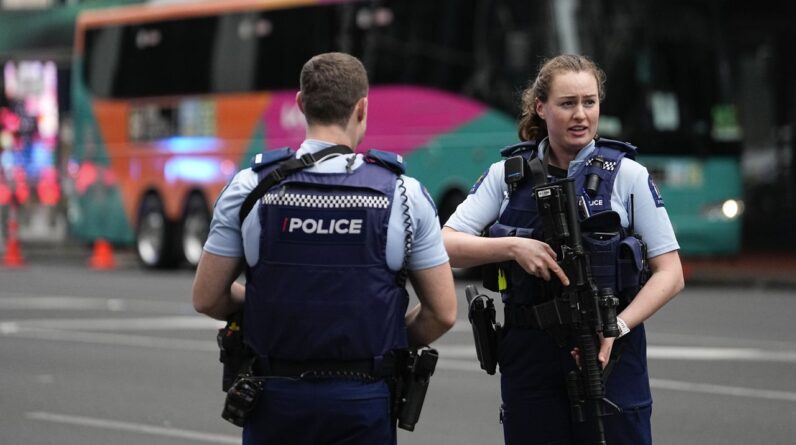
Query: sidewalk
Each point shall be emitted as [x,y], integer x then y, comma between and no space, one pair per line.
[751,269]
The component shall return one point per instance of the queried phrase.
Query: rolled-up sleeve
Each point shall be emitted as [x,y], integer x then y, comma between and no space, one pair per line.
[651,220]
[483,205]
[428,249]
[224,235]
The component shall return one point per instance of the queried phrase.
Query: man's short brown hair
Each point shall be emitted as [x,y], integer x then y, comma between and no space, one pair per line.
[331,85]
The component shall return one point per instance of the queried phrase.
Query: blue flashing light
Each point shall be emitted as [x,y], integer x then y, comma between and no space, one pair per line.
[189,144]
[193,169]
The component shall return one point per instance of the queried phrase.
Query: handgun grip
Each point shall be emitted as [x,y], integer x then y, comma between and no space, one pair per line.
[470,292]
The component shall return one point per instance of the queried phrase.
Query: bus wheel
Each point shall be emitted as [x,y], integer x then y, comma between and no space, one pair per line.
[155,235]
[448,204]
[195,224]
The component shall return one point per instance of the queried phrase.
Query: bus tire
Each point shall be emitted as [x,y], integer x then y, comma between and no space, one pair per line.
[195,224]
[155,235]
[448,204]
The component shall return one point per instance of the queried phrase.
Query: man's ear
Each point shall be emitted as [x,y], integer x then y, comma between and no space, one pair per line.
[299,102]
[362,109]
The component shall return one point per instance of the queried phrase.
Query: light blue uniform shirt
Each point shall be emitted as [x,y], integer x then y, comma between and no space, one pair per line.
[427,249]
[489,198]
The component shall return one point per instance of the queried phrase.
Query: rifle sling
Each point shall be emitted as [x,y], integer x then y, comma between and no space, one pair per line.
[538,169]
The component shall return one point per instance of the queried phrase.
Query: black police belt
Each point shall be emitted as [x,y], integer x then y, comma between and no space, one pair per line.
[539,316]
[325,369]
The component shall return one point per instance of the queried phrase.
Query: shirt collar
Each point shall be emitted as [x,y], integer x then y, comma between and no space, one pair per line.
[312,146]
[581,157]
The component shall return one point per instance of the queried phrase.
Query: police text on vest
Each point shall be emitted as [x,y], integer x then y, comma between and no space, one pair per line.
[325,227]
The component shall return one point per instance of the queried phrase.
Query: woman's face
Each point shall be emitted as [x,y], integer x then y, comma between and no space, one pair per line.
[572,111]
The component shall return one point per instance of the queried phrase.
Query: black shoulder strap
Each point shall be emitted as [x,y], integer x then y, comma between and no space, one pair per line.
[538,169]
[285,169]
[627,148]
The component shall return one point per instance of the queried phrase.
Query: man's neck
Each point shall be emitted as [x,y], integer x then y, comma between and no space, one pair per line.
[332,134]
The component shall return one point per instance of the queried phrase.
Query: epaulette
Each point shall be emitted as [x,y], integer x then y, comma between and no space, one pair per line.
[392,161]
[514,149]
[266,158]
[627,148]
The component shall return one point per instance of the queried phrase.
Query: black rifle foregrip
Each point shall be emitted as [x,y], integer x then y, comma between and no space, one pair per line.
[590,366]
[593,383]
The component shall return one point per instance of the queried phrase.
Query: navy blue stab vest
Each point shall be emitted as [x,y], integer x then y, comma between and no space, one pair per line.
[322,289]
[616,259]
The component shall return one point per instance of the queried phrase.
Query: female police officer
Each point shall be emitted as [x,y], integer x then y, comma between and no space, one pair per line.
[561,108]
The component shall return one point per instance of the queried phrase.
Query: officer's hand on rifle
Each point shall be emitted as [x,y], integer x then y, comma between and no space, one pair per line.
[606,345]
[537,258]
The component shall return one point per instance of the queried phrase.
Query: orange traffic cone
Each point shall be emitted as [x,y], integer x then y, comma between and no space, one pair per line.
[13,255]
[102,258]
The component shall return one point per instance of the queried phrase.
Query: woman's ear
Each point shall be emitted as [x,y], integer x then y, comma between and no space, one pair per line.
[539,107]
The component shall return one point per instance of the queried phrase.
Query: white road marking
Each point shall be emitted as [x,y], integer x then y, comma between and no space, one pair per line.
[141,428]
[453,364]
[178,323]
[707,354]
[716,341]
[21,301]
[82,330]
[455,357]
[107,338]
[736,391]
[665,352]
[672,385]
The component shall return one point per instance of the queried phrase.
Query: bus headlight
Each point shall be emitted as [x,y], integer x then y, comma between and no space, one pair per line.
[728,210]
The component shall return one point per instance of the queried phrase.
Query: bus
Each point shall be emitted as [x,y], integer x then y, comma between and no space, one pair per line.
[674,92]
[170,100]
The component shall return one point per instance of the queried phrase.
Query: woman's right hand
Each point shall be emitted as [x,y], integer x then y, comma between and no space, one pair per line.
[537,258]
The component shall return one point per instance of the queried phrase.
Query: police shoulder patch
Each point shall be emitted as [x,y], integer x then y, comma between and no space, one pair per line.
[429,199]
[656,195]
[627,148]
[515,149]
[478,181]
[393,161]
[266,158]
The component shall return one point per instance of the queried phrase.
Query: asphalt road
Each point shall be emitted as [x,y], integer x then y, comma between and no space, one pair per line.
[90,357]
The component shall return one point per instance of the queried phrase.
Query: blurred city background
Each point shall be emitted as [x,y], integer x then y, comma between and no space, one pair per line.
[122,120]
[124,124]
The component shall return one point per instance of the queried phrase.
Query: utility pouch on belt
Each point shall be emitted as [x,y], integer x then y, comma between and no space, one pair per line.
[242,396]
[414,378]
[497,276]
[632,268]
[233,353]
[481,313]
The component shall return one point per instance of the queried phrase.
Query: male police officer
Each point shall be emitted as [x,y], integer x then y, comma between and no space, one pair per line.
[326,252]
